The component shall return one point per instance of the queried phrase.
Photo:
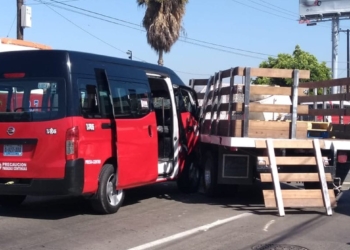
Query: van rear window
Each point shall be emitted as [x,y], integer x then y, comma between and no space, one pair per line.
[27,100]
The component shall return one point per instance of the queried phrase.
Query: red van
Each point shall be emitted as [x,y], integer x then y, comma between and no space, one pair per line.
[79,123]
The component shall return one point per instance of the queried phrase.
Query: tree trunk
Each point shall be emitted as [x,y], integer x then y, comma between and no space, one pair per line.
[160,59]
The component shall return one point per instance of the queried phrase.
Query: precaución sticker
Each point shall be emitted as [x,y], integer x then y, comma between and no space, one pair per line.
[13,166]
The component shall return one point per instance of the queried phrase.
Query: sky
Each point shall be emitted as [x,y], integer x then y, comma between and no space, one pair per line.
[219,34]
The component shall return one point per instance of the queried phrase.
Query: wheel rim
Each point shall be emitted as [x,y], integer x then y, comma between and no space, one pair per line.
[207,174]
[193,173]
[113,196]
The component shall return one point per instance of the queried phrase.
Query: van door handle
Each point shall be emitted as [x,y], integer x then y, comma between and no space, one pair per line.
[106,125]
[150,130]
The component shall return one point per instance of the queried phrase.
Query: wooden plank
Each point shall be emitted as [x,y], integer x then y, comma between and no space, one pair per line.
[295,177]
[277,134]
[298,198]
[324,98]
[298,193]
[302,144]
[200,82]
[291,160]
[238,107]
[277,108]
[265,90]
[319,125]
[200,95]
[331,112]
[322,177]
[276,125]
[276,182]
[274,73]
[225,73]
[327,83]
[270,90]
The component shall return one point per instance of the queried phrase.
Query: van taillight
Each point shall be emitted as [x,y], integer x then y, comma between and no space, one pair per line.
[72,138]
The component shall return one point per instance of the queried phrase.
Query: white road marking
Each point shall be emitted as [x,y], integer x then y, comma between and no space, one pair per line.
[268,225]
[189,232]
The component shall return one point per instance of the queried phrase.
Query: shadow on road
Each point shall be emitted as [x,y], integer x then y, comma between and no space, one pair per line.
[245,199]
[343,206]
[48,208]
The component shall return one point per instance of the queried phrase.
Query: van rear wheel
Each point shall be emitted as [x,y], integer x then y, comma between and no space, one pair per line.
[108,200]
[11,200]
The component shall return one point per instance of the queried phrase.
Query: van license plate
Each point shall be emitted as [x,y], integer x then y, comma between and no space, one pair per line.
[13,150]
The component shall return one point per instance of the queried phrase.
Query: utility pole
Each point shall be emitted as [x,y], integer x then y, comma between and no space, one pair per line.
[347,55]
[335,40]
[19,19]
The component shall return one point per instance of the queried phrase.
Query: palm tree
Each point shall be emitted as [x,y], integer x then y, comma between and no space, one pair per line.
[162,21]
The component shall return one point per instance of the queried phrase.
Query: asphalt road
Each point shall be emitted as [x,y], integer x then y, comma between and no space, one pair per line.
[159,217]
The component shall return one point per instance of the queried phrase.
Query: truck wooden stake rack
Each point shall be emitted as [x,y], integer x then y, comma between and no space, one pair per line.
[251,138]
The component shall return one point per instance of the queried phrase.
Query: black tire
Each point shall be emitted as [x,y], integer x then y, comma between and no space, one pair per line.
[189,178]
[107,200]
[210,175]
[11,200]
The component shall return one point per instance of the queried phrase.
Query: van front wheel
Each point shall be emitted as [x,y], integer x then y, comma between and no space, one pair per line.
[108,200]
[189,178]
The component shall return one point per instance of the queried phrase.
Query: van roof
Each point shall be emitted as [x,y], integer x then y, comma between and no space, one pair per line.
[75,55]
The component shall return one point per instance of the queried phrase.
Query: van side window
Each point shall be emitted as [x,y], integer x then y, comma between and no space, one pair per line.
[131,100]
[88,99]
[188,100]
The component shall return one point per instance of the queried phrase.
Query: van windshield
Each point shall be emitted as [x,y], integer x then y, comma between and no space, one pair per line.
[31,100]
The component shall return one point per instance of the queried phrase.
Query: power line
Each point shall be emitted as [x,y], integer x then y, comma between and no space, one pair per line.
[184,38]
[105,41]
[228,47]
[102,19]
[288,18]
[14,19]
[80,27]
[59,1]
[277,7]
[72,6]
[269,7]
[227,51]
[263,10]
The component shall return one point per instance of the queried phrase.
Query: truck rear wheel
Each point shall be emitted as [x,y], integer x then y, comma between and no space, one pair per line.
[189,178]
[108,200]
[210,175]
[11,200]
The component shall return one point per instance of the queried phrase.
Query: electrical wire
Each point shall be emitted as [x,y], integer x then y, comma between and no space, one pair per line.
[274,9]
[288,18]
[71,22]
[12,25]
[58,1]
[184,39]
[107,42]
[277,7]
